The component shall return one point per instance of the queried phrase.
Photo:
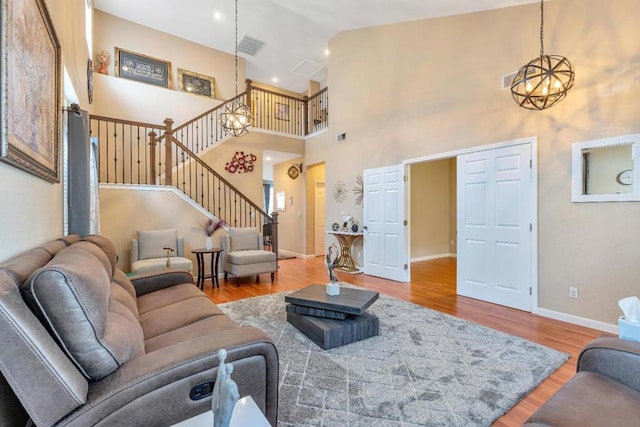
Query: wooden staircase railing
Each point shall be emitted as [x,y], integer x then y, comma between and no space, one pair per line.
[134,152]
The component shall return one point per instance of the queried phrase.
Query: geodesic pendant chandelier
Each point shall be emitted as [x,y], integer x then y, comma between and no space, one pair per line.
[236,118]
[544,81]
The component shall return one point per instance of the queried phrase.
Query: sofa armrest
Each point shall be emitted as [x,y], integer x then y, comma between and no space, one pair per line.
[153,281]
[614,358]
[163,379]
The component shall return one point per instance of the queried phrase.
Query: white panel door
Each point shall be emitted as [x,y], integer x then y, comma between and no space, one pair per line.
[319,208]
[385,251]
[494,226]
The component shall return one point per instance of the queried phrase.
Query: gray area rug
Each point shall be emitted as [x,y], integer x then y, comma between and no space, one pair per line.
[425,368]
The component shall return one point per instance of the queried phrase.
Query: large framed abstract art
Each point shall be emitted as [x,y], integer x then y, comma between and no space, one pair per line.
[29,88]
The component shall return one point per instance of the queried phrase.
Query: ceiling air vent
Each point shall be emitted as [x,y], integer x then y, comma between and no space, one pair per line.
[250,46]
[507,79]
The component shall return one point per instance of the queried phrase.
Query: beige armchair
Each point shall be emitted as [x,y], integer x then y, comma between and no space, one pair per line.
[243,255]
[155,250]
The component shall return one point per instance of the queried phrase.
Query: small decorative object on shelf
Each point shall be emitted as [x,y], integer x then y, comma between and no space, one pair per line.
[241,162]
[104,58]
[335,226]
[354,228]
[331,261]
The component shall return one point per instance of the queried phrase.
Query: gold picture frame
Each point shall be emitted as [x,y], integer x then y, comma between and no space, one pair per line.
[142,68]
[30,112]
[196,83]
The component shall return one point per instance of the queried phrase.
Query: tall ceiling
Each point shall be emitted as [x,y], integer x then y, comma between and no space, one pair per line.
[296,32]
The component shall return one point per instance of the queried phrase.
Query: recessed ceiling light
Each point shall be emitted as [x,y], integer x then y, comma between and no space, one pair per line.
[217,15]
[327,52]
[267,158]
[275,80]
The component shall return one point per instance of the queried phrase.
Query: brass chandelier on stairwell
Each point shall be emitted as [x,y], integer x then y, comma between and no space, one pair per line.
[544,81]
[236,119]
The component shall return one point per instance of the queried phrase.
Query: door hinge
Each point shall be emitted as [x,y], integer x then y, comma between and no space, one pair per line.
[406,222]
[530,164]
[404,178]
[530,227]
[406,267]
[530,291]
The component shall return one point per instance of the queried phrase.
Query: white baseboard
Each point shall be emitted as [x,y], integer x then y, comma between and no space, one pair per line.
[429,257]
[577,320]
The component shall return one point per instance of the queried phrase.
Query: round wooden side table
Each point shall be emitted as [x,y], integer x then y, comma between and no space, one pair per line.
[215,257]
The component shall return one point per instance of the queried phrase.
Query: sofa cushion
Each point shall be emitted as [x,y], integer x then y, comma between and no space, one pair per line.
[151,242]
[73,295]
[589,399]
[107,247]
[243,239]
[176,315]
[250,257]
[167,296]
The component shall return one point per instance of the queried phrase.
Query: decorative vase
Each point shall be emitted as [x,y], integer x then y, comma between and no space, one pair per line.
[103,68]
[333,289]
[208,243]
[354,228]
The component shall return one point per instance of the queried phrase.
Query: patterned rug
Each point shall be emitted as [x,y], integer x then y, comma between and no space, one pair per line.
[425,368]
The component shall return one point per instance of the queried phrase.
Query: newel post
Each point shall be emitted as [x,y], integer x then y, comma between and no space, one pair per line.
[153,143]
[168,152]
[305,115]
[274,234]
[248,83]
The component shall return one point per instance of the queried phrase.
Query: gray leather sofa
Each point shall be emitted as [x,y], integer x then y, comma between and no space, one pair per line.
[81,344]
[604,392]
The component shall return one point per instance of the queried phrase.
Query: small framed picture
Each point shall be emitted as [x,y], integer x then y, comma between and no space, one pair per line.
[196,83]
[143,68]
[282,111]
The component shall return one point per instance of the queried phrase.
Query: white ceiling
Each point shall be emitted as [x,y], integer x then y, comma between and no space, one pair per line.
[295,31]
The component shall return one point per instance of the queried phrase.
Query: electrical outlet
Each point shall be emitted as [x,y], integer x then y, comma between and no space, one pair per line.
[573,292]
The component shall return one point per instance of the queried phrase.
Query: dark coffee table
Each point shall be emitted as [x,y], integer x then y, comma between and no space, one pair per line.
[332,321]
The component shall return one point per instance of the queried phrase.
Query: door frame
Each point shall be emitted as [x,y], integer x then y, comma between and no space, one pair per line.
[315,189]
[533,140]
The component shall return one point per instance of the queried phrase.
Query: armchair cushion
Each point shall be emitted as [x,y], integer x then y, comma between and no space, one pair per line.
[94,320]
[242,239]
[250,257]
[151,242]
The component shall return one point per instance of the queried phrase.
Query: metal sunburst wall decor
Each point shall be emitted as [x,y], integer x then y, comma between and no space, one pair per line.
[339,192]
[358,190]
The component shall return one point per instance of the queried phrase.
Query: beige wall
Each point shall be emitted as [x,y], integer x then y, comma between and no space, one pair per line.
[441,92]
[291,227]
[312,174]
[125,211]
[31,210]
[429,212]
[112,32]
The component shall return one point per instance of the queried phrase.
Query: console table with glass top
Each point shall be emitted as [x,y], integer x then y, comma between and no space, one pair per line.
[346,239]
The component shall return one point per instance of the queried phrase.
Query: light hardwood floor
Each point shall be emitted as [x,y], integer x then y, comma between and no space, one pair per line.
[433,285]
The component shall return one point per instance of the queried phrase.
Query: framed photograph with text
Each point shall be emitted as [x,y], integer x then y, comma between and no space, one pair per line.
[199,84]
[30,111]
[143,68]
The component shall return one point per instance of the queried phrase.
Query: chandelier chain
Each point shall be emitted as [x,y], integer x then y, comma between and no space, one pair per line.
[541,28]
[236,47]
